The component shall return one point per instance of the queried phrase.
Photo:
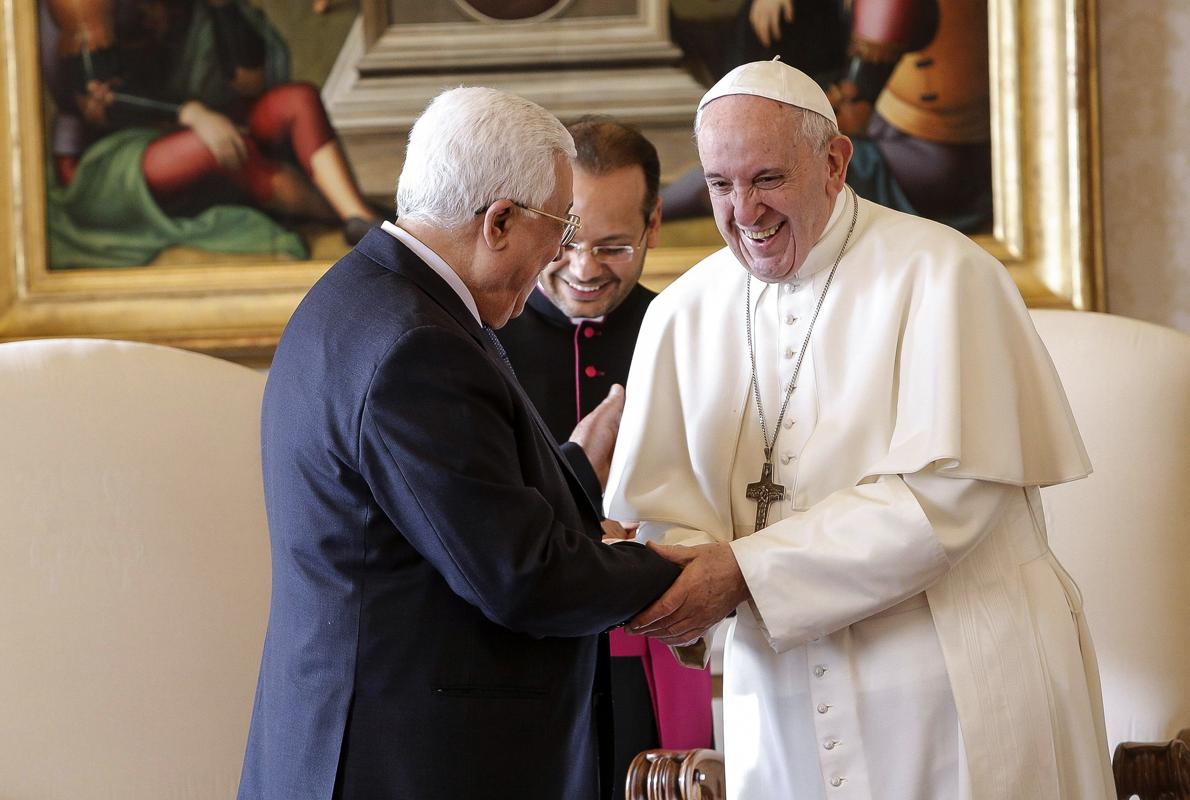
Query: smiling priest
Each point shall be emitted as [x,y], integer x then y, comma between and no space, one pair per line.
[845,416]
[571,345]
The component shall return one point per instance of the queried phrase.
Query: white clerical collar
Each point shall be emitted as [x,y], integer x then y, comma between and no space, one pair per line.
[822,255]
[436,263]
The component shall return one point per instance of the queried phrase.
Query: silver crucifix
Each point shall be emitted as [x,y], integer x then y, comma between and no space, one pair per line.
[765,493]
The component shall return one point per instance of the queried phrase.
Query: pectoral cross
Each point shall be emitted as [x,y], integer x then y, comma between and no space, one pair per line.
[765,492]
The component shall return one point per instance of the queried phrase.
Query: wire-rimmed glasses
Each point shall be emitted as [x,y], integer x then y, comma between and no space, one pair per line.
[606,253]
[572,222]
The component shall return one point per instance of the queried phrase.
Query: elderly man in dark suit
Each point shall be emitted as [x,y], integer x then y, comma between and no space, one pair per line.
[439,583]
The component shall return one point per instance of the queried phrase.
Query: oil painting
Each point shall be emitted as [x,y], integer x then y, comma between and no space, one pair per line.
[181,171]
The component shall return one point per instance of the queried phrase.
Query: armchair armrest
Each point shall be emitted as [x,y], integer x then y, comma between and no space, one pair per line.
[1153,771]
[676,775]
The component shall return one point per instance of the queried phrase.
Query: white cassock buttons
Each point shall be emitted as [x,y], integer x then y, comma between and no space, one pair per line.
[830,744]
[823,708]
[819,671]
[790,319]
[787,424]
[837,782]
[789,352]
[785,459]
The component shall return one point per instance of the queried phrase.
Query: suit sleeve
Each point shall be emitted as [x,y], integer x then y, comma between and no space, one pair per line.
[448,452]
[581,465]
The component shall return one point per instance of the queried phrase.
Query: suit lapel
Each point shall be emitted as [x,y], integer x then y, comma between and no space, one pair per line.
[575,484]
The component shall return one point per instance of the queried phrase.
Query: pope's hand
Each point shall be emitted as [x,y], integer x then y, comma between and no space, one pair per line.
[709,588]
[596,432]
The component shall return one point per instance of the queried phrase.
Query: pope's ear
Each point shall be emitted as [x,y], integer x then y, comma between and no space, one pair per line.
[497,221]
[838,156]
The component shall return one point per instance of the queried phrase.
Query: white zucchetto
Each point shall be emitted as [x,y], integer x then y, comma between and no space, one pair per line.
[776,81]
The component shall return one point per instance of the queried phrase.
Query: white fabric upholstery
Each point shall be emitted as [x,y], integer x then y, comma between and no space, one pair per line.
[134,571]
[1124,532]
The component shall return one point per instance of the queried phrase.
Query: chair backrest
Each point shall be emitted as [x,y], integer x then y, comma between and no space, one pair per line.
[134,570]
[1124,532]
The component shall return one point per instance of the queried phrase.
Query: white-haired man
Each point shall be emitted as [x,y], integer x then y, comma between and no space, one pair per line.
[850,433]
[439,584]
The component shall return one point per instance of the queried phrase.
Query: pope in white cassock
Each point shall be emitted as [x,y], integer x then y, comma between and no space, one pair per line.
[849,434]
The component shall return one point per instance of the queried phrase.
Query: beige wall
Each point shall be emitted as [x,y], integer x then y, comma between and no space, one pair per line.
[1145,110]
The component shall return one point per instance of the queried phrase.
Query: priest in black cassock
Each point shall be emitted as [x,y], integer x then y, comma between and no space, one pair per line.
[573,342]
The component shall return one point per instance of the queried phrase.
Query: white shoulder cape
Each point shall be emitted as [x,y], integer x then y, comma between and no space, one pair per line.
[924,354]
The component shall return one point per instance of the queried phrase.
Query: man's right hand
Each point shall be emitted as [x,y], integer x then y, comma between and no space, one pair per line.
[596,432]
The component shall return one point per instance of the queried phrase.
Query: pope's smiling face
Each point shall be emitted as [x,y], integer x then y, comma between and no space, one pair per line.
[772,191]
[611,208]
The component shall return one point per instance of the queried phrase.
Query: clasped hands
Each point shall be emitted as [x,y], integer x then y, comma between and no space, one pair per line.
[710,585]
[708,589]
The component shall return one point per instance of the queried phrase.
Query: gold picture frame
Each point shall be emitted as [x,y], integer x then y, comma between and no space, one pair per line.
[1046,188]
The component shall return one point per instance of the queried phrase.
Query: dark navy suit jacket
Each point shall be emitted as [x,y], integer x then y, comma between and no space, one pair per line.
[439,586]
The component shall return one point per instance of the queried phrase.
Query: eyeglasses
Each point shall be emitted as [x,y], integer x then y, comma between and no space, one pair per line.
[607,253]
[571,221]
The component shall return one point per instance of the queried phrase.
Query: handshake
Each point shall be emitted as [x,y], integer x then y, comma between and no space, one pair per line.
[710,585]
[708,589]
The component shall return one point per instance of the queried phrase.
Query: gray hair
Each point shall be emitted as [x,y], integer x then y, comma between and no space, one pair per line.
[816,129]
[473,146]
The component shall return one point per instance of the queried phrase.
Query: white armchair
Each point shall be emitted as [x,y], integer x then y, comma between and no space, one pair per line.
[1124,532]
[134,571]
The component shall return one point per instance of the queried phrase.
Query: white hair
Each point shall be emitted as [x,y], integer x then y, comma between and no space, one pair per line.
[473,146]
[816,129]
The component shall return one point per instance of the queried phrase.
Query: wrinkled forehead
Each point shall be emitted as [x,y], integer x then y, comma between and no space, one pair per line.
[745,127]
[739,114]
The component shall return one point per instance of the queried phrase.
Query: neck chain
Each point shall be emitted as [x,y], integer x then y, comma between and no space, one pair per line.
[764,491]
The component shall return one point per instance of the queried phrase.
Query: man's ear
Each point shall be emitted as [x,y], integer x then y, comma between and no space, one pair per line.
[497,221]
[654,226]
[838,156]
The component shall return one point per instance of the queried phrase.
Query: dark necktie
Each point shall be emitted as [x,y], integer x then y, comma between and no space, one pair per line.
[491,334]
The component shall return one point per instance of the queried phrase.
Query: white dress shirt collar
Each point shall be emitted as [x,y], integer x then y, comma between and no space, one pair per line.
[436,263]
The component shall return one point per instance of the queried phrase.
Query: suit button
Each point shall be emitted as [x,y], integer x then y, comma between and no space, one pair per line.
[591,372]
[588,332]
